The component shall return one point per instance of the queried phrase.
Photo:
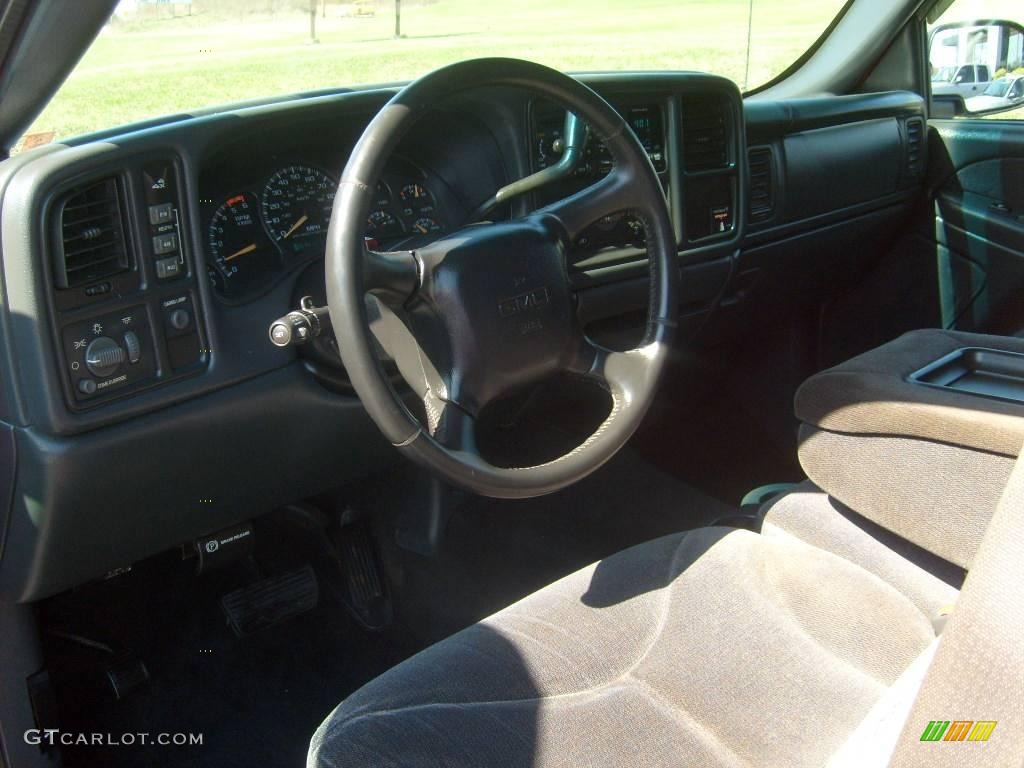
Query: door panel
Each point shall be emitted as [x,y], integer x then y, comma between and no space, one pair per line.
[959,262]
[977,178]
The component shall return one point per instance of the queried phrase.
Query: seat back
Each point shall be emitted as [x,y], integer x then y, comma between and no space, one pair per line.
[972,675]
[978,672]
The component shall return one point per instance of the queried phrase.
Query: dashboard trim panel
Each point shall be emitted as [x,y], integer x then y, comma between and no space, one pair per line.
[298,437]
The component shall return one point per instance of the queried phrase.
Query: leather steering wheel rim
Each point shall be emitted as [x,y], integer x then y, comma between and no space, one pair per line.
[426,276]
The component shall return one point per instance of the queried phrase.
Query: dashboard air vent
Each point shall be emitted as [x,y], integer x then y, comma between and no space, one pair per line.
[915,147]
[705,134]
[762,184]
[92,235]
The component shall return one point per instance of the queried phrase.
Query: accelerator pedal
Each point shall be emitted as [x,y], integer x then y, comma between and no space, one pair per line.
[367,596]
[271,601]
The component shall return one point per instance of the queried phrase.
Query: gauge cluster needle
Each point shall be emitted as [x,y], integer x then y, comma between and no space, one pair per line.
[241,252]
[295,226]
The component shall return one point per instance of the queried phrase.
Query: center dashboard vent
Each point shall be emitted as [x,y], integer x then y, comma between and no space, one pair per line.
[705,133]
[93,244]
[762,184]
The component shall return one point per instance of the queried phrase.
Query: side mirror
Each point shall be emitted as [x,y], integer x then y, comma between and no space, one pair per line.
[993,49]
[946,107]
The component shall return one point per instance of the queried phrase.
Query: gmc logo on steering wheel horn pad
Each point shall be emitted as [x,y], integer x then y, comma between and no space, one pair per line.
[523,302]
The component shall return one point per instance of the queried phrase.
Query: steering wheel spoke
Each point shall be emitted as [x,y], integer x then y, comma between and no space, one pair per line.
[454,427]
[614,193]
[625,374]
[393,276]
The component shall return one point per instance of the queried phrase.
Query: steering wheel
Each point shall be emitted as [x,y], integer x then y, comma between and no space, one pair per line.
[489,308]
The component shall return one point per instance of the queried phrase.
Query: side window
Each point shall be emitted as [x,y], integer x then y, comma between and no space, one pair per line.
[976,53]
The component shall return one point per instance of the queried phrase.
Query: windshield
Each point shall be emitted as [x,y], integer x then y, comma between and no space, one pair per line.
[997,88]
[156,58]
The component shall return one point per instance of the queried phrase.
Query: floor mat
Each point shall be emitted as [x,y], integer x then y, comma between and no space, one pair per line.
[716,445]
[256,700]
[497,551]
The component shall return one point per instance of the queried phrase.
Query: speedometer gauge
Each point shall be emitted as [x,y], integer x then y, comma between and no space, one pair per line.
[296,205]
[240,255]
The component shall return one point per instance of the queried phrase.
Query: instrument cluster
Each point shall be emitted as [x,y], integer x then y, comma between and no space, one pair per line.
[254,235]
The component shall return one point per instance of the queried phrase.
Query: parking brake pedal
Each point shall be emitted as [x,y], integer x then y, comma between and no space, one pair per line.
[270,601]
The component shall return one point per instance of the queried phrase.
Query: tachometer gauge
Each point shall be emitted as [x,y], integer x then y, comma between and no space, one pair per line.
[240,256]
[296,205]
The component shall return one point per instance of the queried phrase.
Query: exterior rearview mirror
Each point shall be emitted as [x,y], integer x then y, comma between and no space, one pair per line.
[980,61]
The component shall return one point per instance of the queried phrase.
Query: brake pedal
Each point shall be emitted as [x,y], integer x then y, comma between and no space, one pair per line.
[271,601]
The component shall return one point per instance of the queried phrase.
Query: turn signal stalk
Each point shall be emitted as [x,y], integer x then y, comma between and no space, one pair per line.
[300,326]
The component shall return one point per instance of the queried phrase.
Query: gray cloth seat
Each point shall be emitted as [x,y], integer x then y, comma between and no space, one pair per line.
[927,463]
[716,647]
[814,517]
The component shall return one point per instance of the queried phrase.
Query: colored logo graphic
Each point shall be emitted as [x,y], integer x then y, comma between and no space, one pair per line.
[958,730]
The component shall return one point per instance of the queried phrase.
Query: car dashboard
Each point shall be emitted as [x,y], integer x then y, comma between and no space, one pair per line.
[263,218]
[142,268]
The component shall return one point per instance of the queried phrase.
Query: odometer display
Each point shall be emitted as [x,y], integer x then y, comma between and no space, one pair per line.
[296,204]
[241,257]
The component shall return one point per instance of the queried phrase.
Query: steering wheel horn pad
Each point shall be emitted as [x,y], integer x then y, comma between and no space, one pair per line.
[502,295]
[489,308]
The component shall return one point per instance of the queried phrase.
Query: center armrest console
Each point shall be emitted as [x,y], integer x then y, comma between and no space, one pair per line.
[919,435]
[986,372]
